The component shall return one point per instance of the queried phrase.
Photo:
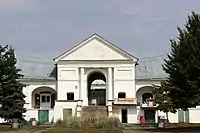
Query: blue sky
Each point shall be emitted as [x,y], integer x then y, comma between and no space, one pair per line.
[40,30]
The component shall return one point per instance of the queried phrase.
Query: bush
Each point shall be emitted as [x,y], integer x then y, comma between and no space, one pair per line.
[90,122]
[107,122]
[59,123]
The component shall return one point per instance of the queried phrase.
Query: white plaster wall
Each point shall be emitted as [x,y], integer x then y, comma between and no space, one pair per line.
[132,115]
[33,113]
[68,81]
[139,84]
[194,114]
[94,50]
[59,106]
[65,87]
[31,87]
[173,118]
[124,81]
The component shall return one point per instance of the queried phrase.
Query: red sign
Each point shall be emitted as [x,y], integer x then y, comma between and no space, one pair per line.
[125,101]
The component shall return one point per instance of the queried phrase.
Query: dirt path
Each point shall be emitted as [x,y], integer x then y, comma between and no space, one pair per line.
[24,131]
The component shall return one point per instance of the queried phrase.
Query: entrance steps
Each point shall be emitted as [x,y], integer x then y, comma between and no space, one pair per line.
[95,111]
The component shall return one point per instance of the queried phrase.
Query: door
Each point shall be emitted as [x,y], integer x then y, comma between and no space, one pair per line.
[149,116]
[67,113]
[43,116]
[180,116]
[187,116]
[45,101]
[124,116]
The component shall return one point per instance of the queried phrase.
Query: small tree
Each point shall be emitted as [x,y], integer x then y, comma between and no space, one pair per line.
[11,93]
[164,102]
[183,66]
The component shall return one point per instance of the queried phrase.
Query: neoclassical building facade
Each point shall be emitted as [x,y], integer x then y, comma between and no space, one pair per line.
[95,76]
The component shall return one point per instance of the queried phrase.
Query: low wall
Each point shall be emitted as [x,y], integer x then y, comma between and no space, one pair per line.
[33,113]
[173,118]
[194,114]
[132,114]
[63,104]
[2,120]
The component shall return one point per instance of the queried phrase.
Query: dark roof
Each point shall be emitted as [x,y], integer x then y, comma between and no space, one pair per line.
[54,72]
[150,79]
[37,78]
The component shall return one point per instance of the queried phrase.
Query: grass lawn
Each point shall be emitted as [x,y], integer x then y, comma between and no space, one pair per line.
[89,130]
[50,129]
[5,127]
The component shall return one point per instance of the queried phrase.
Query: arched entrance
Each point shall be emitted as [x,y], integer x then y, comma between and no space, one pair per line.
[43,98]
[96,89]
[146,96]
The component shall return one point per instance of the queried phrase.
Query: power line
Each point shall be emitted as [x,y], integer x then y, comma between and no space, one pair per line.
[35,57]
[36,62]
[157,56]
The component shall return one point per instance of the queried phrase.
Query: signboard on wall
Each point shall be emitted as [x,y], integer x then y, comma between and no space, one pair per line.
[125,101]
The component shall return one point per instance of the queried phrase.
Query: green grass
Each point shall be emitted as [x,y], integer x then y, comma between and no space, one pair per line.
[5,127]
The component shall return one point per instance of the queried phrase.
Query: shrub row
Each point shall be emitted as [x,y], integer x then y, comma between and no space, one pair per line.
[90,122]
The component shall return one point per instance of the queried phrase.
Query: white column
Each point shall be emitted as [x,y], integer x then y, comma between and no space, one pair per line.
[110,91]
[85,98]
[156,116]
[81,92]
[81,88]
[110,85]
[134,86]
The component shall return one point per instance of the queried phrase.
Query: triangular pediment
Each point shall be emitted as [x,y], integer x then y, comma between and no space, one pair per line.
[95,48]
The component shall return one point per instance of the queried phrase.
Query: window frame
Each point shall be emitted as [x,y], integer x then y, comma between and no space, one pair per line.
[70,96]
[121,95]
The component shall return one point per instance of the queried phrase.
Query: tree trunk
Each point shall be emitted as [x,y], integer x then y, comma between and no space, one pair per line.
[167,117]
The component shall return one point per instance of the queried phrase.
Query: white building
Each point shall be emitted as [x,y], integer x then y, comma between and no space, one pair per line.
[98,77]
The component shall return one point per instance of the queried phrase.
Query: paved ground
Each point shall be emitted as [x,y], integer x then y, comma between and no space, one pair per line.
[137,129]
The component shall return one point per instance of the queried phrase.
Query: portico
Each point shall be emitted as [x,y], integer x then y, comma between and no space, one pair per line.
[87,77]
[96,72]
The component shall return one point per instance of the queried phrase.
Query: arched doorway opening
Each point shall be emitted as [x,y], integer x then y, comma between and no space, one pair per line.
[96,89]
[144,93]
[43,98]
[146,96]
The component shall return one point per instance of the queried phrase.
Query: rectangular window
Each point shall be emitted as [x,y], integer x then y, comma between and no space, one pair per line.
[48,98]
[121,95]
[70,96]
[43,99]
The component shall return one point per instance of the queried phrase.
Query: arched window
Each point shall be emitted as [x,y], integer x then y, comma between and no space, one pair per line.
[146,96]
[121,95]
